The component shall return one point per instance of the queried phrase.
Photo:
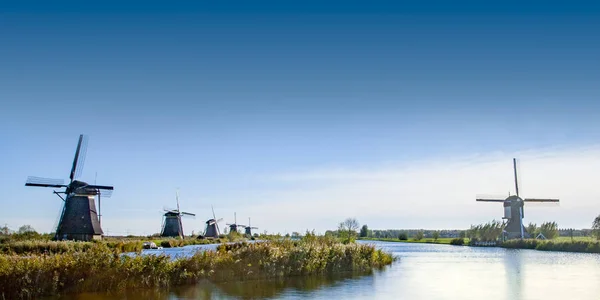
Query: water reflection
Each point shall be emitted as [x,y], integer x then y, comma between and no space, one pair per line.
[250,289]
[261,289]
[514,274]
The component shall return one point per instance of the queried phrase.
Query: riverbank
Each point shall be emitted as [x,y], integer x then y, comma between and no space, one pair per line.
[33,247]
[581,245]
[551,245]
[101,269]
[444,241]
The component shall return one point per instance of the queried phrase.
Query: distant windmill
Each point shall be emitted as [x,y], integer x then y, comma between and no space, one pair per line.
[513,210]
[172,225]
[234,227]
[212,226]
[249,228]
[79,218]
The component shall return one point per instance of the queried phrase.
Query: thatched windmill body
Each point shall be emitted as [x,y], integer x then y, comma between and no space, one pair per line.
[248,229]
[513,210]
[79,219]
[212,226]
[234,226]
[172,225]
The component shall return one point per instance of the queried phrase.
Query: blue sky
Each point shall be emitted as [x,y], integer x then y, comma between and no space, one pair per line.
[223,101]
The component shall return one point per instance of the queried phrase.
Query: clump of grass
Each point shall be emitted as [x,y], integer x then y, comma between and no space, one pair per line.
[102,269]
[457,241]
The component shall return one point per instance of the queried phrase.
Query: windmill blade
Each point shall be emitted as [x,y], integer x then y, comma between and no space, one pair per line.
[219,220]
[44,182]
[213,211]
[165,208]
[78,159]
[188,214]
[99,187]
[489,200]
[177,198]
[82,156]
[516,177]
[541,200]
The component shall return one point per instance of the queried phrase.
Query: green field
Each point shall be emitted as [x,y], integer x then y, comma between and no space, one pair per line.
[575,239]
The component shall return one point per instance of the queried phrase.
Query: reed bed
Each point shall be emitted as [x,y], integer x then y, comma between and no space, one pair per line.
[33,247]
[566,246]
[101,269]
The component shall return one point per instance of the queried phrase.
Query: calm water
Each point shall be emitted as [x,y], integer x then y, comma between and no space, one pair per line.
[424,271]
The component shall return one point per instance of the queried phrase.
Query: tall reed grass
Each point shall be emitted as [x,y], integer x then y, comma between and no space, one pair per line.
[101,269]
[32,247]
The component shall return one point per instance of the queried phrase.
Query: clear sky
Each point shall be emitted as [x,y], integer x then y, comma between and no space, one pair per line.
[301,114]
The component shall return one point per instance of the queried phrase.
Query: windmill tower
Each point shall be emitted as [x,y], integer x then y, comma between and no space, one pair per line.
[79,218]
[212,226]
[234,227]
[172,225]
[248,229]
[513,210]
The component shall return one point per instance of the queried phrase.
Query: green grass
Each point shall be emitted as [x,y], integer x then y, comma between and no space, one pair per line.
[101,269]
[575,238]
[445,241]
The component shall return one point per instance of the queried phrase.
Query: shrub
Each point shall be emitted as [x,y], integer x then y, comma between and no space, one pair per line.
[457,241]
[403,236]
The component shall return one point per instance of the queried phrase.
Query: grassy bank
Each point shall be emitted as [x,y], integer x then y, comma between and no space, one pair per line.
[56,247]
[587,246]
[101,269]
[446,241]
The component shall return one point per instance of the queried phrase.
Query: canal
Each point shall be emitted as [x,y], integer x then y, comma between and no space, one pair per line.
[424,271]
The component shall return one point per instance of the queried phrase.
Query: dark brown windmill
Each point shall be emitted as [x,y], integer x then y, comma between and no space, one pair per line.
[79,219]
[513,210]
[248,229]
[172,225]
[234,227]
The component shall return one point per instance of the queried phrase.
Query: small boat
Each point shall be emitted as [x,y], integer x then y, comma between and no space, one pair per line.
[149,245]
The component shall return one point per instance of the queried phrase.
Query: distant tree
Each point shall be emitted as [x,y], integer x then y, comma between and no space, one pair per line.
[25,228]
[403,236]
[532,229]
[596,228]
[347,230]
[296,234]
[287,235]
[436,235]
[549,230]
[571,233]
[5,230]
[419,235]
[364,231]
[462,234]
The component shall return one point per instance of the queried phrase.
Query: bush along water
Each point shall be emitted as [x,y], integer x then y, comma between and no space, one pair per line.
[566,246]
[101,269]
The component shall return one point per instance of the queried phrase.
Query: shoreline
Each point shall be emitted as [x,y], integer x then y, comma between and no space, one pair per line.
[576,246]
